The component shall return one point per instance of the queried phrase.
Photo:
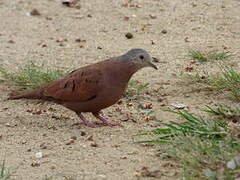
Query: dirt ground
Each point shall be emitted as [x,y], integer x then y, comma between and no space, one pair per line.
[167,29]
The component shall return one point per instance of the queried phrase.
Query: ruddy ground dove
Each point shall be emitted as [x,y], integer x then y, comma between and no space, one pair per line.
[93,87]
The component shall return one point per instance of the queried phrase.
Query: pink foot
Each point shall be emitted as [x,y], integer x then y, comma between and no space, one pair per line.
[85,122]
[105,121]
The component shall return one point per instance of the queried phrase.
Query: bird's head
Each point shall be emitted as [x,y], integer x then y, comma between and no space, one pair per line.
[140,58]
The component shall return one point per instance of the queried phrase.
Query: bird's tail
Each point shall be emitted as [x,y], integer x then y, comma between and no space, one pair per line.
[31,95]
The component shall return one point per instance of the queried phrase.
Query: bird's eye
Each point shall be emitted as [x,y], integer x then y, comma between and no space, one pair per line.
[141,57]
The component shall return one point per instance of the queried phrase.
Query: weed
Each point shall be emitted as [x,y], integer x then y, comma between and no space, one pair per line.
[204,158]
[207,56]
[226,112]
[135,88]
[196,77]
[201,146]
[229,79]
[193,125]
[4,172]
[32,75]
[197,55]
[215,55]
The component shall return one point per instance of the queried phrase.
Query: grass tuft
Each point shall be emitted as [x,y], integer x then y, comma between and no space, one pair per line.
[215,55]
[32,75]
[196,77]
[207,56]
[198,55]
[203,147]
[4,172]
[135,88]
[225,112]
[193,125]
[229,79]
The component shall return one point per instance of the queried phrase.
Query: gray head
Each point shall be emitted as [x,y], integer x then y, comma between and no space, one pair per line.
[140,58]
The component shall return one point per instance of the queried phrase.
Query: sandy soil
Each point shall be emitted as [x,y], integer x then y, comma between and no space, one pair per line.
[101,25]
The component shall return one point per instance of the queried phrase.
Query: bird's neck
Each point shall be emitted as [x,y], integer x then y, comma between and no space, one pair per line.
[125,69]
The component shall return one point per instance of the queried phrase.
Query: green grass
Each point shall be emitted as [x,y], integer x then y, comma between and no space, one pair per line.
[31,76]
[229,80]
[201,146]
[196,156]
[135,88]
[193,125]
[225,112]
[208,56]
[196,77]
[198,55]
[216,55]
[4,172]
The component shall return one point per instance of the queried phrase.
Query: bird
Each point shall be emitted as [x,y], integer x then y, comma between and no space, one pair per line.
[94,87]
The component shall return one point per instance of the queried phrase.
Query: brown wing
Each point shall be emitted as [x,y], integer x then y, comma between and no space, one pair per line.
[79,85]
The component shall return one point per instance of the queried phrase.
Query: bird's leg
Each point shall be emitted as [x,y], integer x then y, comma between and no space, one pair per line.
[104,120]
[85,122]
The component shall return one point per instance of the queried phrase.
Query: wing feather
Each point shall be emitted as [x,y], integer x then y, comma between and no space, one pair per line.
[80,85]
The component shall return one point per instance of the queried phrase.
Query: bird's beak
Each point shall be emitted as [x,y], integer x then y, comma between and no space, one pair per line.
[150,64]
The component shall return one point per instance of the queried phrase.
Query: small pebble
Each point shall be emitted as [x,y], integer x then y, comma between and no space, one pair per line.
[43,146]
[189,68]
[79,40]
[71,141]
[152,16]
[74,137]
[186,39]
[38,155]
[82,133]
[129,35]
[44,45]
[69,3]
[24,142]
[177,106]
[35,12]
[118,109]
[35,164]
[126,18]
[124,157]
[94,144]
[53,167]
[11,41]
[164,31]
[233,163]
[160,99]
[120,101]
[90,138]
